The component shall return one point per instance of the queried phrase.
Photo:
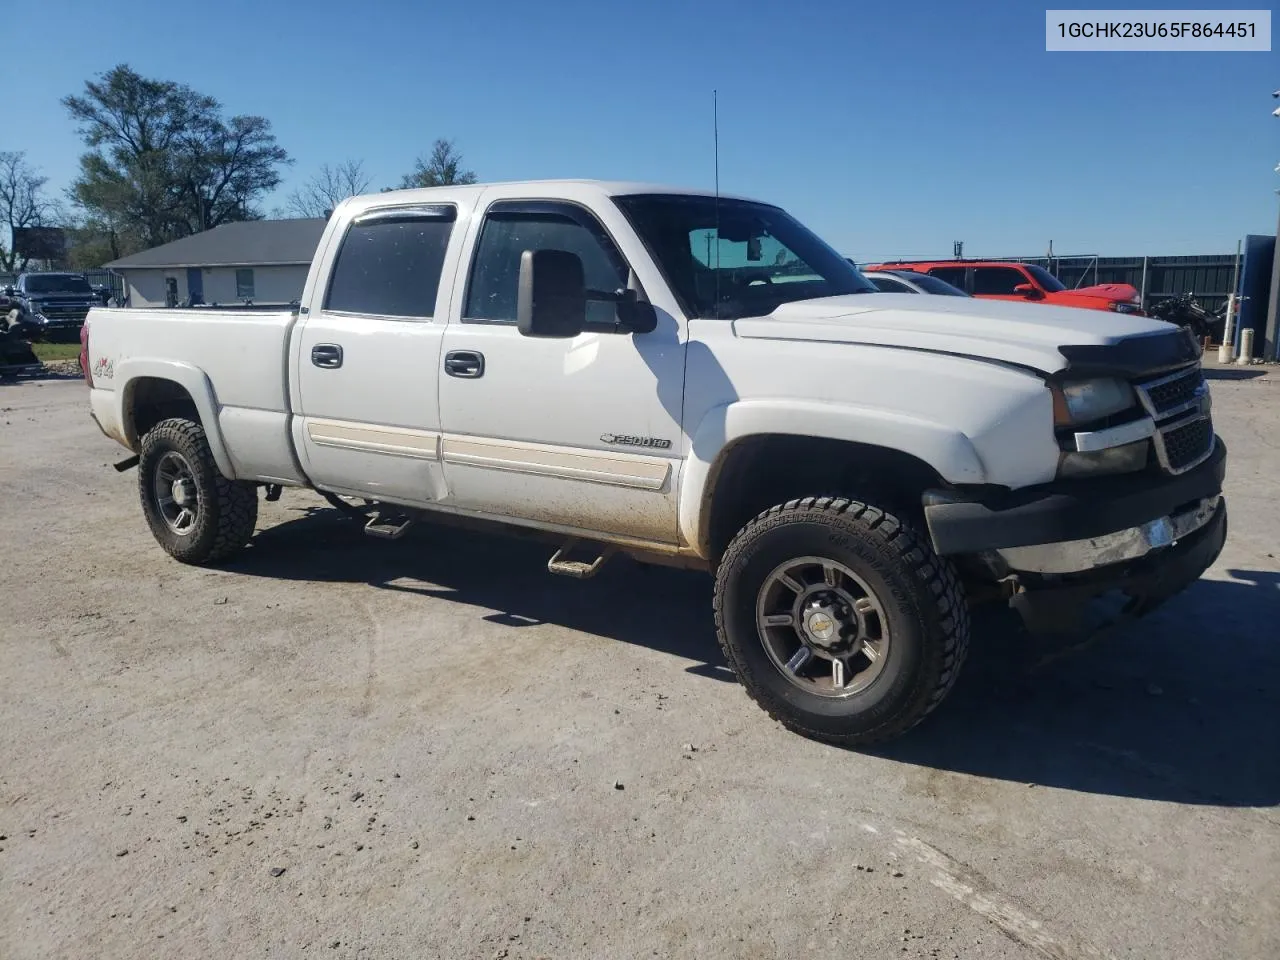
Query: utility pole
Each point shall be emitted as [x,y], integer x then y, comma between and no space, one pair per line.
[1269,351]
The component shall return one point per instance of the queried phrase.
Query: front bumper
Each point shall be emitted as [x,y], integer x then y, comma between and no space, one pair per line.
[1066,510]
[1070,606]
[1123,546]
[1066,544]
[52,323]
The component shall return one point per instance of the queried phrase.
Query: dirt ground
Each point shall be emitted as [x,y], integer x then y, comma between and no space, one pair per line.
[341,747]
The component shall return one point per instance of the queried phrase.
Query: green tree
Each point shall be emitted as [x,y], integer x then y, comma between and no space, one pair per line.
[163,162]
[440,168]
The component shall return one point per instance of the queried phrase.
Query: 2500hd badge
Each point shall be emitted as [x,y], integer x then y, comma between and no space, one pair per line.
[654,442]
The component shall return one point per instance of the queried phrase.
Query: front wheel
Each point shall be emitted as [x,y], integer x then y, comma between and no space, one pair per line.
[194,512]
[839,620]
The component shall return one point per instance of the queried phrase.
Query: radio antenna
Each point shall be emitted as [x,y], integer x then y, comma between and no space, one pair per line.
[715,130]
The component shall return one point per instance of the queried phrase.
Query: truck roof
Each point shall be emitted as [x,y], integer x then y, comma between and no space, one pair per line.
[556,189]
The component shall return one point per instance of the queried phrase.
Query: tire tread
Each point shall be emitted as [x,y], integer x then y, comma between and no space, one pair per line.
[235,510]
[937,575]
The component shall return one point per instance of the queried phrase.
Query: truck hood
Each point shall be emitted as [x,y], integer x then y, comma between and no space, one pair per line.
[1027,335]
[1118,292]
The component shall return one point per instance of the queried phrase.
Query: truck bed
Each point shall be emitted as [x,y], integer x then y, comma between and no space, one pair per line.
[243,352]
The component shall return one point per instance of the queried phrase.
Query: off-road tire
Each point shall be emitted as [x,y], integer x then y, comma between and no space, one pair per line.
[227,510]
[920,592]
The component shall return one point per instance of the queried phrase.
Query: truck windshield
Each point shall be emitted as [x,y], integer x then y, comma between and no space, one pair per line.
[734,258]
[1047,280]
[56,283]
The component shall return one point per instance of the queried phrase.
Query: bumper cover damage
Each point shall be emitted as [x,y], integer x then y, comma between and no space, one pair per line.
[1076,604]
[1066,546]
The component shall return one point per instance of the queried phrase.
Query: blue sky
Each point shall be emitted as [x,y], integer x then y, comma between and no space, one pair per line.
[890,129]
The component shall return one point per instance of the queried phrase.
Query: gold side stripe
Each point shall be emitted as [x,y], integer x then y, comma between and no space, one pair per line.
[617,469]
[569,463]
[395,441]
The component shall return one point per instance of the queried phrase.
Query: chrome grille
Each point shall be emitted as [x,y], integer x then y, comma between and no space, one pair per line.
[1185,443]
[1172,393]
[65,311]
[1179,405]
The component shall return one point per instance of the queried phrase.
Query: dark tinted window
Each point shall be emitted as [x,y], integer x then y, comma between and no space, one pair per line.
[56,283]
[733,258]
[996,280]
[951,275]
[495,271]
[936,286]
[889,285]
[1046,279]
[390,267]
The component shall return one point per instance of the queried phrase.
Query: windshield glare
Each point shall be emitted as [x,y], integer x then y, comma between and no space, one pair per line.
[741,260]
[1046,279]
[57,283]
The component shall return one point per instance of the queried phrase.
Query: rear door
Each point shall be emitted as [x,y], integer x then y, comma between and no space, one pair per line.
[367,358]
[958,277]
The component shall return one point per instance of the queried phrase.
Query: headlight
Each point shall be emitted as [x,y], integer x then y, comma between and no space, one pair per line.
[1083,401]
[1129,458]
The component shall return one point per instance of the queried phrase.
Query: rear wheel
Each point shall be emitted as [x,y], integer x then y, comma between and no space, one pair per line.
[840,621]
[194,512]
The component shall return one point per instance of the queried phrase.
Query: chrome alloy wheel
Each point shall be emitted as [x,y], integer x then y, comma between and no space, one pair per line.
[822,626]
[174,488]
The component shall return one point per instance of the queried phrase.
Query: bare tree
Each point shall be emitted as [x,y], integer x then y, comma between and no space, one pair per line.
[327,189]
[22,204]
[442,167]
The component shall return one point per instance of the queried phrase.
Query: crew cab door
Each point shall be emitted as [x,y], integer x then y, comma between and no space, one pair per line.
[367,357]
[581,433]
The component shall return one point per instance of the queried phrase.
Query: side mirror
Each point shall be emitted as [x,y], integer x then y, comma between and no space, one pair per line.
[636,316]
[1028,290]
[552,295]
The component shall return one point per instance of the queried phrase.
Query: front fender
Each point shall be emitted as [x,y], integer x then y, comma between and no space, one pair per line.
[945,448]
[192,379]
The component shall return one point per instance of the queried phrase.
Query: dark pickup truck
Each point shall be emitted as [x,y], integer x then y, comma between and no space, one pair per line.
[49,306]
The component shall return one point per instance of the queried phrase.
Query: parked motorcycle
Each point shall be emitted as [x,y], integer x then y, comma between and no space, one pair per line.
[1186,311]
[16,356]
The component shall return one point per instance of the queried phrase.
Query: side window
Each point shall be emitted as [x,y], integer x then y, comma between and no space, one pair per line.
[511,229]
[389,264]
[244,284]
[888,285]
[951,275]
[998,281]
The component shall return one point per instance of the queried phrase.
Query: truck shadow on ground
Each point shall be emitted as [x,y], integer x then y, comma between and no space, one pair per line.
[1180,707]
[1234,373]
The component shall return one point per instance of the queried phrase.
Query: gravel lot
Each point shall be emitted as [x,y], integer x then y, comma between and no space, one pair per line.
[431,748]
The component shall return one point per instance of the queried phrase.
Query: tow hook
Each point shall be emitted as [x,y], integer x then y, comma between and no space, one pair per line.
[273,492]
[128,463]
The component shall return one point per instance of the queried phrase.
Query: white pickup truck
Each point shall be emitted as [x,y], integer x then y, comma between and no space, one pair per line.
[695,380]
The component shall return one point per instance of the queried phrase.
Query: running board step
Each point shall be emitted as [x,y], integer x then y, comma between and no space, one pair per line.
[560,565]
[387,526]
